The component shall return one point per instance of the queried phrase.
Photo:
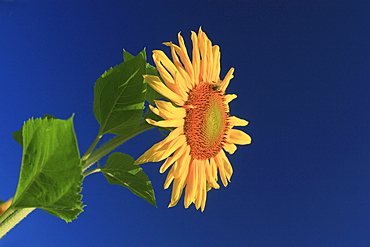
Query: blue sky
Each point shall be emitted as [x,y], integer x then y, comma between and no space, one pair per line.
[302,78]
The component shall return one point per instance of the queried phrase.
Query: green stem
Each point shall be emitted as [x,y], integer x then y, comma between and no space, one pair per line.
[91,148]
[112,144]
[11,218]
[87,173]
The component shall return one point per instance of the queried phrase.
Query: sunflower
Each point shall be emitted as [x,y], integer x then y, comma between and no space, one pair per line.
[199,113]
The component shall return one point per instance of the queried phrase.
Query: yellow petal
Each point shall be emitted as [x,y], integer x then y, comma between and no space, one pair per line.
[183,53]
[235,121]
[204,62]
[230,97]
[209,63]
[161,152]
[182,81]
[170,160]
[154,110]
[174,145]
[165,67]
[177,189]
[227,166]
[168,111]
[216,63]
[195,57]
[167,123]
[238,137]
[169,180]
[191,183]
[202,186]
[158,86]
[224,167]
[180,180]
[183,78]
[183,163]
[221,169]
[229,147]
[211,173]
[175,57]
[151,155]
[227,79]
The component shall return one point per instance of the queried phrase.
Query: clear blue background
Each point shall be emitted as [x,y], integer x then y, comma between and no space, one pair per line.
[302,75]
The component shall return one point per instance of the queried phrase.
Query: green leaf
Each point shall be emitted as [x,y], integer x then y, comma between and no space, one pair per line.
[127,56]
[120,170]
[51,174]
[150,93]
[17,136]
[119,96]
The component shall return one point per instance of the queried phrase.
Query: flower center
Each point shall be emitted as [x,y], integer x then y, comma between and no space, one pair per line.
[206,121]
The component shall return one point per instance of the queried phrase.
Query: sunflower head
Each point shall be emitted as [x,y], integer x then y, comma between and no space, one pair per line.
[198,111]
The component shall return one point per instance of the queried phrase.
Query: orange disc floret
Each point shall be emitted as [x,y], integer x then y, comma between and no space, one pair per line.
[205,124]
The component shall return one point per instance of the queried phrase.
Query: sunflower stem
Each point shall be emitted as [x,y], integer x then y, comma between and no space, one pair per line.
[111,145]
[12,217]
[91,148]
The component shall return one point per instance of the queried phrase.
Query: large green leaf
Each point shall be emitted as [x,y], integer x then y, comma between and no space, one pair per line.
[51,173]
[150,93]
[119,96]
[120,170]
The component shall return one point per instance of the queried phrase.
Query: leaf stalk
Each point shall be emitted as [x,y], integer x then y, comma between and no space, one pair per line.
[112,144]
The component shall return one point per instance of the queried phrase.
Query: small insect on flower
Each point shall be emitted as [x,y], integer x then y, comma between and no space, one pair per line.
[199,114]
[216,86]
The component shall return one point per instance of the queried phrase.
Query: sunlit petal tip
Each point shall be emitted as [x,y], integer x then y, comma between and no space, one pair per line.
[152,79]
[157,51]
[154,110]
[230,97]
[144,158]
[174,200]
[226,80]
[172,204]
[169,43]
[187,203]
[169,180]
[150,121]
[235,121]
[140,161]
[165,166]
